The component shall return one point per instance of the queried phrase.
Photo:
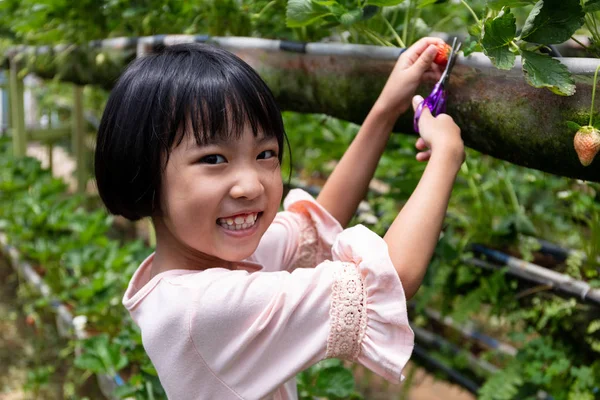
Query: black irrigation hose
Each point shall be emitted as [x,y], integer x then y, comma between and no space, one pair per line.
[453,375]
[558,252]
[536,273]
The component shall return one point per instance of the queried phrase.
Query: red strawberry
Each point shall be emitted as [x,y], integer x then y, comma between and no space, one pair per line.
[587,144]
[443,51]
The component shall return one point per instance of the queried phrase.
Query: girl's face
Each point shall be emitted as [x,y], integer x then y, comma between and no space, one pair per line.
[219,199]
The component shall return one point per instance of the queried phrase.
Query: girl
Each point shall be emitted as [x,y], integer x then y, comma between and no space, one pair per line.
[192,138]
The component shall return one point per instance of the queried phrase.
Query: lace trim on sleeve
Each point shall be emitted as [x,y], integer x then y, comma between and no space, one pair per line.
[348,314]
[310,250]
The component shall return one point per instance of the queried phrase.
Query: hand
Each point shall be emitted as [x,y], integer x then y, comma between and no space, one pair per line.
[438,133]
[414,66]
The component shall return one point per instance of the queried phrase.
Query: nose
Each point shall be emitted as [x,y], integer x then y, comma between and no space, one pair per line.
[247,184]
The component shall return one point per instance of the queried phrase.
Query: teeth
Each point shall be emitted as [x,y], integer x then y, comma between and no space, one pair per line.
[239,222]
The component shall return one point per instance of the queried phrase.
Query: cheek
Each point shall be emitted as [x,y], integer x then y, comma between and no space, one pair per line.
[275,191]
[187,204]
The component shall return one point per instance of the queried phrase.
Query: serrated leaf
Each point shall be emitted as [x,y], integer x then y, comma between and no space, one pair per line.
[498,4]
[336,382]
[498,33]
[304,12]
[542,71]
[471,47]
[552,21]
[351,17]
[90,362]
[591,6]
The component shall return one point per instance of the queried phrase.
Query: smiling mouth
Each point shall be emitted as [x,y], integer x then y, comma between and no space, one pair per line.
[239,222]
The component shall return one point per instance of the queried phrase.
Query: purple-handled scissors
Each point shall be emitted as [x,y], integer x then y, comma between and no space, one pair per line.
[436,101]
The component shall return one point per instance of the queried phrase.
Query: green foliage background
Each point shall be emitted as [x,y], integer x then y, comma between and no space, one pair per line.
[88,264]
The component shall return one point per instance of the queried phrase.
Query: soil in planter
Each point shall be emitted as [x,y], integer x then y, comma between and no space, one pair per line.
[30,366]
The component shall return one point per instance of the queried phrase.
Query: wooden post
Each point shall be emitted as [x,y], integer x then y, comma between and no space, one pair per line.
[51,143]
[78,138]
[17,108]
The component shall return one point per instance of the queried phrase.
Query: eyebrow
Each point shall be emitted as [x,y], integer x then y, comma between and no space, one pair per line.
[221,141]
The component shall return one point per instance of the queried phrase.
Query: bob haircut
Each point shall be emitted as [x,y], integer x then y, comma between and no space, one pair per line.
[162,97]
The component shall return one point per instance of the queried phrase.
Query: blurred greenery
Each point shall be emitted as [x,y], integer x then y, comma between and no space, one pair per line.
[494,203]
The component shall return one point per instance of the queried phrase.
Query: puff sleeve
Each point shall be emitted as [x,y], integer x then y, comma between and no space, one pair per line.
[301,236]
[258,330]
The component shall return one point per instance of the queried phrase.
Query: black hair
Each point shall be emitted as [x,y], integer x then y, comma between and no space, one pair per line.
[156,101]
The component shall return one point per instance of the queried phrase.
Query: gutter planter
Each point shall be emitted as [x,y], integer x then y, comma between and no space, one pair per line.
[499,112]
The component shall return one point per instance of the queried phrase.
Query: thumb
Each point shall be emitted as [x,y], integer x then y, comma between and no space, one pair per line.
[424,61]
[417,100]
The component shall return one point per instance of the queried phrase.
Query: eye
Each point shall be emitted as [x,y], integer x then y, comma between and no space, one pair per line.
[212,159]
[267,154]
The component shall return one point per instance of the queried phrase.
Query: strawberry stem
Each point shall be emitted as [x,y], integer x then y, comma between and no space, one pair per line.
[593,96]
[471,10]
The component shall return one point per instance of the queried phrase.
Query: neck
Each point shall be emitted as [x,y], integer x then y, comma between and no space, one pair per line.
[172,253]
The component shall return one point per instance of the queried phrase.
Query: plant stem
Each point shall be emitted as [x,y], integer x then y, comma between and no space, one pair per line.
[593,95]
[442,21]
[377,39]
[471,10]
[578,42]
[391,28]
[411,33]
[265,8]
[511,192]
[406,20]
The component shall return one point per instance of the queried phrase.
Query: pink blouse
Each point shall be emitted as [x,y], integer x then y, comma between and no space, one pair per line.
[246,333]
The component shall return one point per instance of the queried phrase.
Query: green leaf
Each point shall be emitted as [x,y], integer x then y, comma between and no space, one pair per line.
[573,125]
[427,3]
[475,30]
[543,71]
[351,17]
[498,34]
[471,47]
[591,6]
[384,3]
[304,12]
[552,21]
[335,381]
[124,391]
[90,362]
[498,4]
[369,12]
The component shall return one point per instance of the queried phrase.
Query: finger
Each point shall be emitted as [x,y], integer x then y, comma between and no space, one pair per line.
[421,145]
[424,155]
[415,51]
[425,60]
[432,76]
[416,101]
[425,112]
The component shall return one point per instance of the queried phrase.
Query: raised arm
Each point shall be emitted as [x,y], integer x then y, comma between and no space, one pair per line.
[414,233]
[349,182]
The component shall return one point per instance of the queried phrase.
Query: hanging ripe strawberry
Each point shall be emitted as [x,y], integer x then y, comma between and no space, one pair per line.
[587,144]
[587,138]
